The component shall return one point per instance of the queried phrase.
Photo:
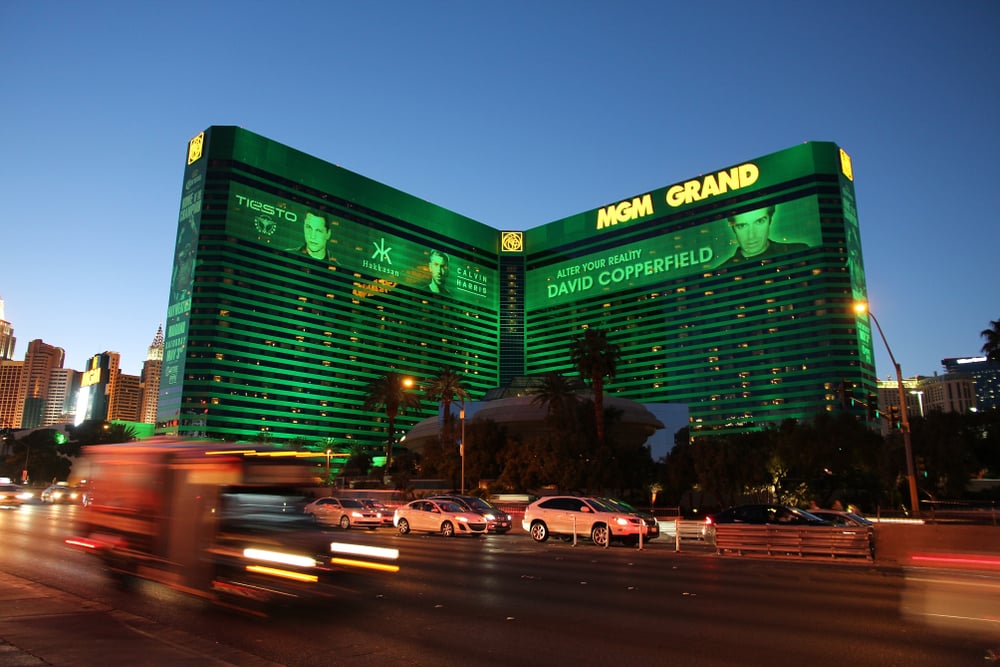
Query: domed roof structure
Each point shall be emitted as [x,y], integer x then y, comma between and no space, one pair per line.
[519,415]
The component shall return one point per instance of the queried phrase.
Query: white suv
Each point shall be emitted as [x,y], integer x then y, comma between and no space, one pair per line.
[569,516]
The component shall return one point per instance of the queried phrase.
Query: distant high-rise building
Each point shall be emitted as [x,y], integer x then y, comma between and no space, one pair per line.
[951,392]
[986,375]
[126,399]
[7,339]
[97,387]
[888,401]
[150,378]
[11,398]
[64,383]
[40,360]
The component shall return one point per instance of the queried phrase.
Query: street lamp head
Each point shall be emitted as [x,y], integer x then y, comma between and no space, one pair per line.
[860,307]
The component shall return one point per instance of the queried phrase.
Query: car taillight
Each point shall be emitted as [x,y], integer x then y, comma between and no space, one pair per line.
[708,521]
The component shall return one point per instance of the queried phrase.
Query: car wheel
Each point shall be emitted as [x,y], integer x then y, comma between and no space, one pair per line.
[599,534]
[448,529]
[403,526]
[345,522]
[539,531]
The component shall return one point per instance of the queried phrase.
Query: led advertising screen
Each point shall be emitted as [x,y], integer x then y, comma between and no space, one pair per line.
[351,245]
[753,233]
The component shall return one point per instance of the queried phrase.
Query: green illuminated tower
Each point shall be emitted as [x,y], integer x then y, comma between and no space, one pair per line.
[297,282]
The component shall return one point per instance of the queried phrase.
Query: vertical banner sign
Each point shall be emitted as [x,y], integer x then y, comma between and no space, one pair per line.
[181,280]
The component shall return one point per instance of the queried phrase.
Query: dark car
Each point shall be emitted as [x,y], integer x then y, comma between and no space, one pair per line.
[766,514]
[652,523]
[497,521]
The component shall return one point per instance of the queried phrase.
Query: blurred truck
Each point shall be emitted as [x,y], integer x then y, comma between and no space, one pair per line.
[214,520]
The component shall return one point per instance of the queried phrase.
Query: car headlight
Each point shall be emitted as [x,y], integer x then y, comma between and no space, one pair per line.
[490,517]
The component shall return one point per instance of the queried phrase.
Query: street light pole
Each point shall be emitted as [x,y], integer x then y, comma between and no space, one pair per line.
[904,419]
[461,447]
[329,452]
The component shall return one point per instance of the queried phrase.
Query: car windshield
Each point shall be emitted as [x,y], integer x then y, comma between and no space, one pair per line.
[602,505]
[480,504]
[350,502]
[448,506]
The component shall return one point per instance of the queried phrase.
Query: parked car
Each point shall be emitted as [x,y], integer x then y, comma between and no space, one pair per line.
[12,495]
[380,507]
[652,523]
[62,493]
[497,521]
[438,516]
[343,512]
[566,516]
[766,513]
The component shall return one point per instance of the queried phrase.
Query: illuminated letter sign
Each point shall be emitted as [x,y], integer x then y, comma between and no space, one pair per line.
[625,211]
[714,184]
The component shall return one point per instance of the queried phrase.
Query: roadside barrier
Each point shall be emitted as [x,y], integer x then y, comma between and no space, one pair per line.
[794,541]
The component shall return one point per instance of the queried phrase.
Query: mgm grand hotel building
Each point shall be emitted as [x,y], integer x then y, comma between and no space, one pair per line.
[296,283]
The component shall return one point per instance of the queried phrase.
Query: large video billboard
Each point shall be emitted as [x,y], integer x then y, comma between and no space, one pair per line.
[751,233]
[352,245]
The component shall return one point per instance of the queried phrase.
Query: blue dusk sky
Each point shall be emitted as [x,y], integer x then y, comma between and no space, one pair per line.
[513,113]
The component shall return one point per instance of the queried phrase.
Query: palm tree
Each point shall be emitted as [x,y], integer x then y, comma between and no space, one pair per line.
[389,393]
[559,396]
[596,358]
[445,389]
[991,348]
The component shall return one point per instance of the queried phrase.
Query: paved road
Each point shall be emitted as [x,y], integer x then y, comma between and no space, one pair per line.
[505,600]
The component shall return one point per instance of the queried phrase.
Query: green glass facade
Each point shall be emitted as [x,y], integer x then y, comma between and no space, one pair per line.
[296,283]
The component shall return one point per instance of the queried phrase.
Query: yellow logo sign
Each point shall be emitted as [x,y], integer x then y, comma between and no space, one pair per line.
[195,147]
[845,165]
[512,241]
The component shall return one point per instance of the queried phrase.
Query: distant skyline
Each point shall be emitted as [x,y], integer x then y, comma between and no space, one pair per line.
[514,114]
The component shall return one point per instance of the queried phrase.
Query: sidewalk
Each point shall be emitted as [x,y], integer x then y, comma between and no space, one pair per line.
[45,626]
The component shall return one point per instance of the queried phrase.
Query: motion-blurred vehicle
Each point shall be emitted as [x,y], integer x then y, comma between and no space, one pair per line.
[212,520]
[766,513]
[840,518]
[343,512]
[12,495]
[573,516]
[61,493]
[849,522]
[438,516]
[497,521]
[652,523]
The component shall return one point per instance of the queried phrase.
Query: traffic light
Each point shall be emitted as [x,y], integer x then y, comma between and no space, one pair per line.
[873,414]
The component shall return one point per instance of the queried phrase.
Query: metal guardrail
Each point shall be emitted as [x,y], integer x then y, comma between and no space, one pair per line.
[794,541]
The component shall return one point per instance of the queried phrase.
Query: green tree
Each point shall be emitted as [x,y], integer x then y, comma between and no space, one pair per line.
[560,399]
[596,358]
[991,348]
[389,394]
[446,388]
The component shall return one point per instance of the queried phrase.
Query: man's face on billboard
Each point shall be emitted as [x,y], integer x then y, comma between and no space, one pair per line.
[317,235]
[438,267]
[752,229]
